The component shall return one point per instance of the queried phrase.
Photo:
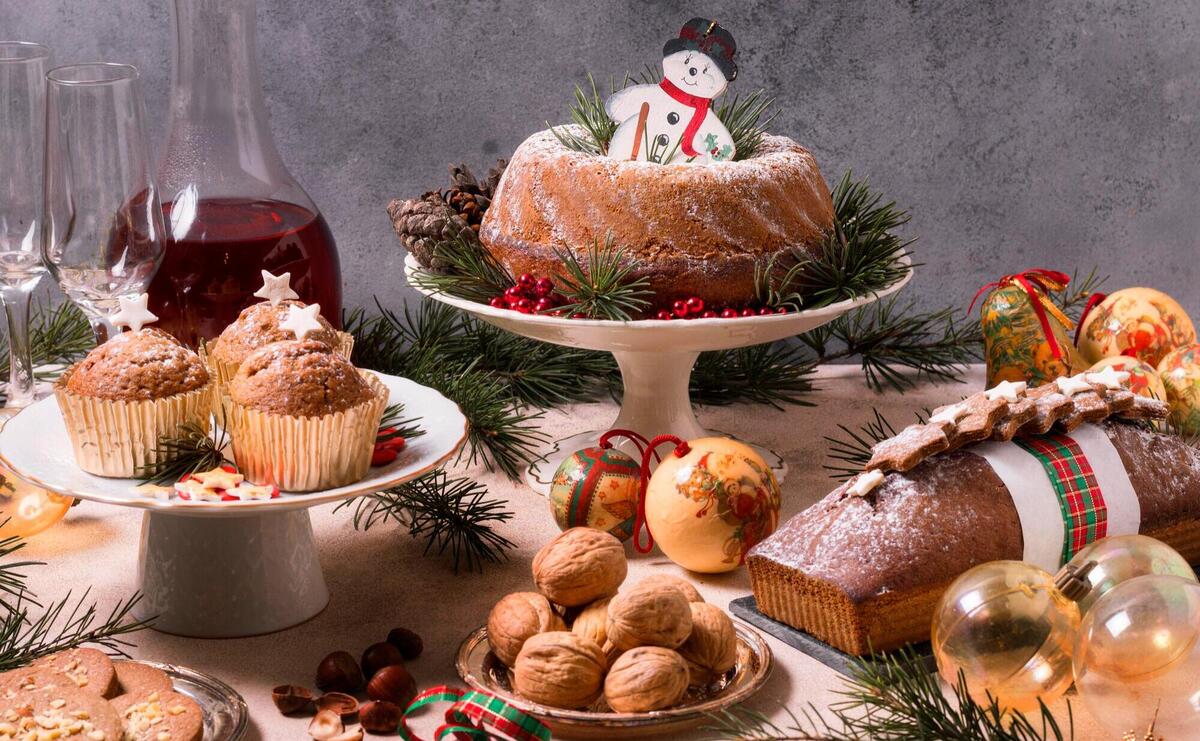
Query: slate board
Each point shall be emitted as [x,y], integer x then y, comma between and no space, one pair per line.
[746,609]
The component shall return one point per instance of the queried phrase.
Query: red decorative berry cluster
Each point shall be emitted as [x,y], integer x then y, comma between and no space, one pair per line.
[388,445]
[693,308]
[531,295]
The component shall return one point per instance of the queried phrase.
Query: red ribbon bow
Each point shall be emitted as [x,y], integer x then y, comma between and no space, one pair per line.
[1036,283]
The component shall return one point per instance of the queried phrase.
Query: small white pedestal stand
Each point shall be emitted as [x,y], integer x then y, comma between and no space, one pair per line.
[227,569]
[655,358]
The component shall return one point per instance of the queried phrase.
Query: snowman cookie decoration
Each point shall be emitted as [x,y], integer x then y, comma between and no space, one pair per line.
[673,121]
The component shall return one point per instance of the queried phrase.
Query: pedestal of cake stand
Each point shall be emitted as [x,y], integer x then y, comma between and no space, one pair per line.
[224,577]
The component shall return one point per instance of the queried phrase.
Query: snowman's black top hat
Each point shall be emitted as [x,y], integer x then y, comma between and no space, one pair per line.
[706,37]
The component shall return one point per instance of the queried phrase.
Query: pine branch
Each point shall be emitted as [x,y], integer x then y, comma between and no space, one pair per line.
[893,698]
[65,624]
[405,428]
[775,373]
[1074,297]
[193,449]
[470,271]
[744,118]
[587,112]
[57,335]
[12,577]
[854,450]
[450,514]
[606,288]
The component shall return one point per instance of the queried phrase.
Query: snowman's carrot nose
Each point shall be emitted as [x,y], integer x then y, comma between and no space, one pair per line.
[643,114]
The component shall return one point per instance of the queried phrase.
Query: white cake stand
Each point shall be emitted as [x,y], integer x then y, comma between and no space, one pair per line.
[227,569]
[655,358]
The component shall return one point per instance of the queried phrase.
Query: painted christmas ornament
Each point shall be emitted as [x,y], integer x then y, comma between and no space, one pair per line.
[598,488]
[1118,559]
[1011,633]
[1180,374]
[1143,378]
[1139,322]
[1026,337]
[1138,653]
[709,506]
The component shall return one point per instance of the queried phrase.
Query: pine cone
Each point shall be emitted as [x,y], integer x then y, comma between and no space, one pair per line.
[493,179]
[423,222]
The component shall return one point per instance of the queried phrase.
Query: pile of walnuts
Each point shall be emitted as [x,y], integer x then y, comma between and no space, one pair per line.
[577,638]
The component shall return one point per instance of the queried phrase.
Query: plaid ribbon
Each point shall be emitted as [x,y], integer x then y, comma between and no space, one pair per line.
[1085,515]
[470,712]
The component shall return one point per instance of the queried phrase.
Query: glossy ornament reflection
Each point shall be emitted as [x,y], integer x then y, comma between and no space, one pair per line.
[1138,653]
[1011,633]
[26,510]
[1120,558]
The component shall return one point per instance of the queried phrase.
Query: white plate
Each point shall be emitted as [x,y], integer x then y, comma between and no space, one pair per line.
[35,446]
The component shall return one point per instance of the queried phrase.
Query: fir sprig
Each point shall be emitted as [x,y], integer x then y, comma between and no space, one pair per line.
[192,448]
[57,335]
[405,428]
[775,373]
[469,271]
[450,514]
[65,624]
[893,698]
[587,112]
[606,288]
[747,118]
[852,452]
[12,576]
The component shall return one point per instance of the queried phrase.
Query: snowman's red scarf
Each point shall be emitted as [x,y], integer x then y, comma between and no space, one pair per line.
[700,110]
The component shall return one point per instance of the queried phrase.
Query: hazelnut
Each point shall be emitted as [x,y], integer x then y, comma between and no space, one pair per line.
[326,725]
[340,703]
[516,618]
[580,565]
[393,684]
[292,699]
[339,672]
[380,716]
[379,655]
[559,669]
[711,649]
[409,643]
[646,678]
[651,616]
[590,622]
[670,580]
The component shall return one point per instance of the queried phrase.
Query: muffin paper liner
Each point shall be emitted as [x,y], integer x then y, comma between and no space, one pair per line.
[119,438]
[306,453]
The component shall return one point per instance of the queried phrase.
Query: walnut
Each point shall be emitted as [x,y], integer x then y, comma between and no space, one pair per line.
[579,566]
[649,616]
[646,678]
[670,580]
[611,652]
[590,623]
[559,669]
[711,649]
[515,619]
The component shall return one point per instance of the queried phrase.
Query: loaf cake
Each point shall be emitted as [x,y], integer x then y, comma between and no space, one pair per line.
[694,229]
[864,568]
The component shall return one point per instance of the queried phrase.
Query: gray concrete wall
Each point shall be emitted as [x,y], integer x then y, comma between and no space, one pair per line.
[1028,133]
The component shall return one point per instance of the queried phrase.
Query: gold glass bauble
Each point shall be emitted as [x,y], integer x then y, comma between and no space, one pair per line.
[1138,654]
[25,509]
[1010,631]
[1142,322]
[1180,374]
[1143,378]
[1120,558]
[708,507]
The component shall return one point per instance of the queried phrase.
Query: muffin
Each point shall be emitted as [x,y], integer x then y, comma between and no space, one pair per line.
[302,417]
[120,400]
[258,326]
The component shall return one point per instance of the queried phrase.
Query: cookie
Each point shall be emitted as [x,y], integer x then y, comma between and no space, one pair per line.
[1016,416]
[1146,408]
[1049,406]
[914,444]
[159,716]
[1118,400]
[28,679]
[972,418]
[91,670]
[135,677]
[64,714]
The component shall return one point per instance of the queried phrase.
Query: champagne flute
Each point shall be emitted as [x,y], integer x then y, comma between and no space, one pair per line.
[103,233]
[22,128]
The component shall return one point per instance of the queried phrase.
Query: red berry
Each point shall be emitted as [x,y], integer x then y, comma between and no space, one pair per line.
[577,315]
[728,313]
[709,314]
[526,281]
[679,309]
[524,306]
[695,305]
[747,312]
[383,455]
[498,303]
[781,310]
[544,287]
[543,305]
[557,312]
[664,315]
[764,311]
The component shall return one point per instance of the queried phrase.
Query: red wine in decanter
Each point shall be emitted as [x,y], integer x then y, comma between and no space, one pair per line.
[216,250]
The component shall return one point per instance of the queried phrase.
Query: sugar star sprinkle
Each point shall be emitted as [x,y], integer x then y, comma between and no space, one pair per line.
[865,483]
[1110,377]
[1007,390]
[276,289]
[302,320]
[133,313]
[1071,385]
[218,478]
[246,491]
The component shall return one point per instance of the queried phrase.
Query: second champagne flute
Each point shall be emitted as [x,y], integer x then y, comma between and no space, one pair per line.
[102,237]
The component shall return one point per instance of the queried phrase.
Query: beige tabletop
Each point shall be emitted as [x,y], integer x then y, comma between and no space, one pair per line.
[379,579]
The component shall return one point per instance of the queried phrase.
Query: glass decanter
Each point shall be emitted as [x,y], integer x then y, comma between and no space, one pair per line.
[231,207]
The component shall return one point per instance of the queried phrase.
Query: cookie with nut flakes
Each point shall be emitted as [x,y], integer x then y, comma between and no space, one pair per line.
[91,670]
[159,716]
[63,714]
[135,677]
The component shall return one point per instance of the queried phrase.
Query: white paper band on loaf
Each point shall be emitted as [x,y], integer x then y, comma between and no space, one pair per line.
[1037,504]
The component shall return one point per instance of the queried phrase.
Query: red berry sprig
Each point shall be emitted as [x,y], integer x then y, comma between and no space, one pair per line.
[531,295]
[694,308]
